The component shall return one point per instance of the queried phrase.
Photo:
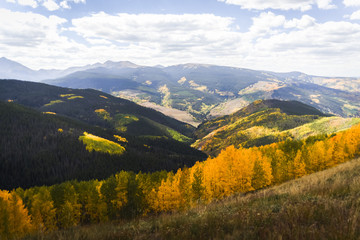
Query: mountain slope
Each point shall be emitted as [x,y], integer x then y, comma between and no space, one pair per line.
[93,107]
[42,148]
[264,122]
[11,69]
[323,205]
[208,91]
[204,91]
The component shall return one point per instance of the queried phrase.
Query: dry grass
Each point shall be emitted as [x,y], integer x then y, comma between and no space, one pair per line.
[325,205]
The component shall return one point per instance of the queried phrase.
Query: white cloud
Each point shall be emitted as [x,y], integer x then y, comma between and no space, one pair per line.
[302,5]
[355,15]
[273,42]
[27,29]
[351,3]
[31,3]
[304,22]
[325,4]
[329,49]
[172,31]
[50,5]
[64,4]
[266,22]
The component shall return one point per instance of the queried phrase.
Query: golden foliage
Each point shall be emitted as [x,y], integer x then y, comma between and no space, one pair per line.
[234,170]
[120,139]
[99,144]
[15,221]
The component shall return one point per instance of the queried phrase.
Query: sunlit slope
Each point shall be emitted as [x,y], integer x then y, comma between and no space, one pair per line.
[94,107]
[207,91]
[39,148]
[323,205]
[267,121]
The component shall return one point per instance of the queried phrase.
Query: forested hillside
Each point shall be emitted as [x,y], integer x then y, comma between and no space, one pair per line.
[96,108]
[39,148]
[264,122]
[127,194]
[207,91]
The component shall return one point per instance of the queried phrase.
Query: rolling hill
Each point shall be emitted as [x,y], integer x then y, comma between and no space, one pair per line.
[204,91]
[208,91]
[83,134]
[323,205]
[94,107]
[264,122]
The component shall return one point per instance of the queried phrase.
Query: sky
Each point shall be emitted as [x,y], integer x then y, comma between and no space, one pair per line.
[318,37]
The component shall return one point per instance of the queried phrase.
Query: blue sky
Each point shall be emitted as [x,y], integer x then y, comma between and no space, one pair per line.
[319,37]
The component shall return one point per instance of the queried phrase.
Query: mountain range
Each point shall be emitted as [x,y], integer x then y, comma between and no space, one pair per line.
[50,134]
[196,92]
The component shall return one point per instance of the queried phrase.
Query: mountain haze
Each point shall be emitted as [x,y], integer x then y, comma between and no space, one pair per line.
[202,90]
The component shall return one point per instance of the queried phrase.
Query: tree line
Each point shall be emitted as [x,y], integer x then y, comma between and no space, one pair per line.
[127,194]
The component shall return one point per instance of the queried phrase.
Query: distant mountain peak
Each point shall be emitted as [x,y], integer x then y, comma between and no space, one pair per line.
[194,65]
[120,64]
[12,69]
[5,60]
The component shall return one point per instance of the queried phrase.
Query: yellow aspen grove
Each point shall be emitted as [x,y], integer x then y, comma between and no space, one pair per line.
[42,211]
[93,208]
[15,221]
[169,195]
[317,156]
[68,208]
[121,189]
[213,179]
[241,169]
[231,171]
[196,181]
[338,154]
[298,166]
[185,189]
[279,166]
[127,194]
[262,172]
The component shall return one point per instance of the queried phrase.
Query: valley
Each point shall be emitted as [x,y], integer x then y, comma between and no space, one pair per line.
[201,90]
[73,156]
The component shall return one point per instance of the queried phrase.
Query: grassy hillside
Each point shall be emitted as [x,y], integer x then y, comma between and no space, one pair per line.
[203,90]
[264,122]
[324,205]
[93,107]
[45,148]
[126,196]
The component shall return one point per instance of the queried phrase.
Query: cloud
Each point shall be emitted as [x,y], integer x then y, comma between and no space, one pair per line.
[27,29]
[304,22]
[50,5]
[302,5]
[168,30]
[351,3]
[355,15]
[65,3]
[328,48]
[266,22]
[30,3]
[272,42]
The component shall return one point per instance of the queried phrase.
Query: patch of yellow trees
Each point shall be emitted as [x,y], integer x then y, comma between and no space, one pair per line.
[126,194]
